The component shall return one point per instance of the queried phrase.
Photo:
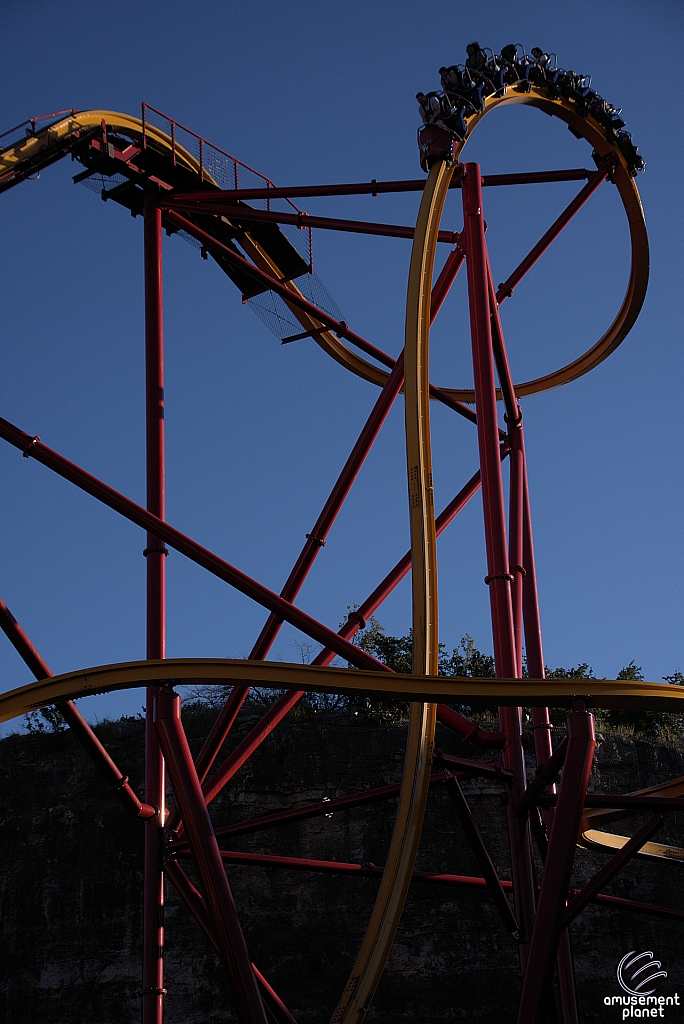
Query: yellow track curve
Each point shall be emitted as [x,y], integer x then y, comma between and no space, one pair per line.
[600,693]
[586,127]
[133,128]
[401,856]
[591,130]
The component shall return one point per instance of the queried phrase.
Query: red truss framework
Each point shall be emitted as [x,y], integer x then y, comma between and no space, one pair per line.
[538,916]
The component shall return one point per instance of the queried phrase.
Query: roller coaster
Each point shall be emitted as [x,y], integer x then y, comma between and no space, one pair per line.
[178,181]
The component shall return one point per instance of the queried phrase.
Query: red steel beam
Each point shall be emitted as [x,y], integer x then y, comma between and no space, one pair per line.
[85,735]
[627,802]
[276,1010]
[240,214]
[213,785]
[548,923]
[155,784]
[465,881]
[546,773]
[472,832]
[541,727]
[609,870]
[446,278]
[513,414]
[338,327]
[515,533]
[476,769]
[378,187]
[33,448]
[498,573]
[315,540]
[358,618]
[477,265]
[318,809]
[595,179]
[205,853]
[619,903]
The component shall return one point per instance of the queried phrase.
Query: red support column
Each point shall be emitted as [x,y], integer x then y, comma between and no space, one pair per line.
[153,892]
[541,725]
[205,851]
[516,461]
[560,855]
[498,573]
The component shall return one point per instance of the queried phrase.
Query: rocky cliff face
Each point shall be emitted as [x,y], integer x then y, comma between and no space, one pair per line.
[70,884]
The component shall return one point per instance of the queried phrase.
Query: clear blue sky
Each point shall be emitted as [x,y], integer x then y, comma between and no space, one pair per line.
[317,92]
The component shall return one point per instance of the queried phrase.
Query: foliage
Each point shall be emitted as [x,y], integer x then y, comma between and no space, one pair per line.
[47,719]
[648,723]
[397,653]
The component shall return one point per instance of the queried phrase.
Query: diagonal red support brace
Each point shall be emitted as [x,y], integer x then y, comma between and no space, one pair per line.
[338,327]
[32,447]
[276,1011]
[322,808]
[595,179]
[609,870]
[489,872]
[85,735]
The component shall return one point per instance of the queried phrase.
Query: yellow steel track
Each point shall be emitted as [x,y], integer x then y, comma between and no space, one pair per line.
[601,693]
[132,127]
[591,130]
[401,857]
[586,127]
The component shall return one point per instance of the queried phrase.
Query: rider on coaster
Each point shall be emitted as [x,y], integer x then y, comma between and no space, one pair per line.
[542,62]
[476,61]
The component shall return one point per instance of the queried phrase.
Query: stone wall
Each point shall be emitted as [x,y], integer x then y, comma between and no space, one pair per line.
[70,883]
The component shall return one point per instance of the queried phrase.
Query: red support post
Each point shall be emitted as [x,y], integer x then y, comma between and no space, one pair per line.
[541,727]
[498,573]
[548,924]
[153,882]
[516,461]
[217,895]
